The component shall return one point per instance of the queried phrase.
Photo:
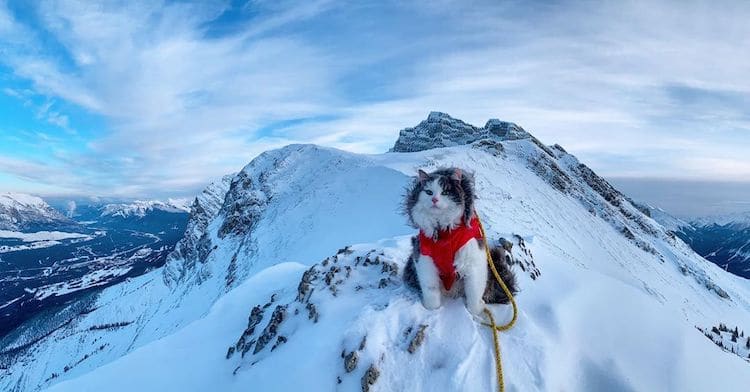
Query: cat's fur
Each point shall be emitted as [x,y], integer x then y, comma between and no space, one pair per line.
[451,204]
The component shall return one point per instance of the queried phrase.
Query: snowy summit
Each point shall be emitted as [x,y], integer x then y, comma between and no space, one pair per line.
[22,212]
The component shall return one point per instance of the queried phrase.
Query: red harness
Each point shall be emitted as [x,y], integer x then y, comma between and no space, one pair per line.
[443,251]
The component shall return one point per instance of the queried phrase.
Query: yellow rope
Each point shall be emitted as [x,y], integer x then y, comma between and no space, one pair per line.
[497,328]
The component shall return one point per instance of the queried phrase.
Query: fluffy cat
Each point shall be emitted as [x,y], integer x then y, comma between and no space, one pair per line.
[449,248]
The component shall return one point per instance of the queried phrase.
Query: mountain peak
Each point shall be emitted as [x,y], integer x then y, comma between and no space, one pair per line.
[442,130]
[437,116]
[139,208]
[21,212]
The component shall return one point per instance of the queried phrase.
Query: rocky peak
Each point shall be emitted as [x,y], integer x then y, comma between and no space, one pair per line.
[195,246]
[442,130]
[505,130]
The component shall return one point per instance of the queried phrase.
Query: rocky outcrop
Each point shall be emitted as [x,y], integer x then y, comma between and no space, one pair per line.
[442,130]
[243,205]
[195,246]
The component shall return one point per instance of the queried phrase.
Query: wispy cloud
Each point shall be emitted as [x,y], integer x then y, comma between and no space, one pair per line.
[187,92]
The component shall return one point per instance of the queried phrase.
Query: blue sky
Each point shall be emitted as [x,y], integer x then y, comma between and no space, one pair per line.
[154,99]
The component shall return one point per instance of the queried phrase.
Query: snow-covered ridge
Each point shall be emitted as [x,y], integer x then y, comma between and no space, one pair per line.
[724,239]
[666,219]
[21,212]
[10,199]
[737,220]
[140,208]
[616,296]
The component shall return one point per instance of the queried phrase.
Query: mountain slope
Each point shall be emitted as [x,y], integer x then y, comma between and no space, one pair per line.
[609,300]
[21,212]
[724,240]
[140,208]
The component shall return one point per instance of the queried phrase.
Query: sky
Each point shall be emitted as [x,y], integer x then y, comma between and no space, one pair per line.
[156,99]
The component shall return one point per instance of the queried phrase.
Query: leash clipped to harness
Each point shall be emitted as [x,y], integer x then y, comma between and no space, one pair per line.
[497,328]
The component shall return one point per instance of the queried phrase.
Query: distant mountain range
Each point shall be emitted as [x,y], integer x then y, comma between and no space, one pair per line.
[722,239]
[48,258]
[21,212]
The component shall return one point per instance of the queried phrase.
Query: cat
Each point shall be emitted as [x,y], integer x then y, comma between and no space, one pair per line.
[449,248]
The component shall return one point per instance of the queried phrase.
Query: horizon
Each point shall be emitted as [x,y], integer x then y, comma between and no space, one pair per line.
[157,99]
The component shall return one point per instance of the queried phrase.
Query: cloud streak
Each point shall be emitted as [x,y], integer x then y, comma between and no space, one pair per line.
[188,92]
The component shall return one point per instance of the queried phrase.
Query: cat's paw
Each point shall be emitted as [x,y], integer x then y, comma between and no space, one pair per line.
[475,308]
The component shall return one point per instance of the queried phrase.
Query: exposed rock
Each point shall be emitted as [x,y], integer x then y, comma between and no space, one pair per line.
[278,316]
[350,361]
[370,378]
[312,312]
[279,341]
[495,148]
[417,340]
[243,345]
[546,168]
[442,130]
[242,207]
[196,245]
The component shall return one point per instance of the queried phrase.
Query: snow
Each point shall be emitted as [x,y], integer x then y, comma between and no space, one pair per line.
[41,235]
[667,220]
[93,279]
[615,308]
[563,341]
[11,199]
[200,349]
[740,220]
[20,211]
[140,208]
[39,239]
[33,245]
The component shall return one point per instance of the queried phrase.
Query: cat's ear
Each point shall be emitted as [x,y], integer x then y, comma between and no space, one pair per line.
[457,174]
[423,176]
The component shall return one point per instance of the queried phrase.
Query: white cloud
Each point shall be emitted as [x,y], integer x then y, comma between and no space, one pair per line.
[183,105]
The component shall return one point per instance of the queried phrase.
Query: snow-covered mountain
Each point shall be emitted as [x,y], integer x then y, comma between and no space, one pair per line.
[140,208]
[724,239]
[289,277]
[738,220]
[23,213]
[721,239]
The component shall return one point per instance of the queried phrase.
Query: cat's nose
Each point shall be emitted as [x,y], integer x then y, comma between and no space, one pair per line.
[434,200]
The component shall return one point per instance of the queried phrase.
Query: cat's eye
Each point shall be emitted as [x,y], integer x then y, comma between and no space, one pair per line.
[444,193]
[429,192]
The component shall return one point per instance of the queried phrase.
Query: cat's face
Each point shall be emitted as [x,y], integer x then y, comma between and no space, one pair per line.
[438,201]
[439,197]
